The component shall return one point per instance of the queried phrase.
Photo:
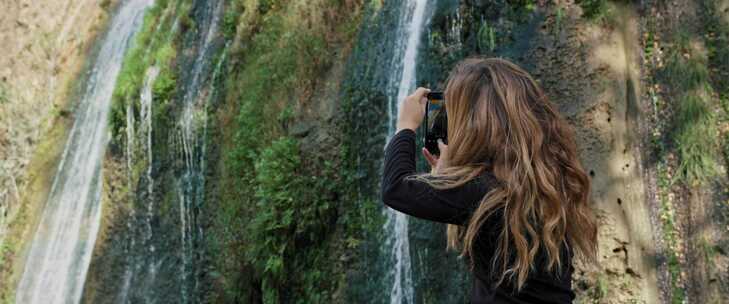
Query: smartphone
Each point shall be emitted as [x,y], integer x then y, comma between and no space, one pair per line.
[436,122]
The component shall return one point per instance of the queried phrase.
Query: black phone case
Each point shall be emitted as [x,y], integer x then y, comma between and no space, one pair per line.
[438,130]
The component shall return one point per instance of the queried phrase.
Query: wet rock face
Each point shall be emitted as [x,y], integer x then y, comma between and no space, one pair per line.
[591,71]
[151,230]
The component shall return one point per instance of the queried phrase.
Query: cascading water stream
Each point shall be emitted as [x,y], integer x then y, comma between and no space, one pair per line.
[412,21]
[137,268]
[146,116]
[190,131]
[56,266]
[145,109]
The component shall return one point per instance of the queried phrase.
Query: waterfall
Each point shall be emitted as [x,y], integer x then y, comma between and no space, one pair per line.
[146,116]
[412,21]
[191,128]
[145,130]
[56,266]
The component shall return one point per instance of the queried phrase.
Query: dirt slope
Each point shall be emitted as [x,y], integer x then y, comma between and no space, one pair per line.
[43,45]
[591,70]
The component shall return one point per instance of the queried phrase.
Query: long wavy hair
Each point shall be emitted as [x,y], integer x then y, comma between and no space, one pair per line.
[500,120]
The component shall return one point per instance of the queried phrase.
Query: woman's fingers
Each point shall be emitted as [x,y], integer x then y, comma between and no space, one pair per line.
[412,110]
[442,147]
[430,158]
[443,154]
[419,94]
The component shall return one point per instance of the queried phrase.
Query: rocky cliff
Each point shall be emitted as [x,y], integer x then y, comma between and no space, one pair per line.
[247,140]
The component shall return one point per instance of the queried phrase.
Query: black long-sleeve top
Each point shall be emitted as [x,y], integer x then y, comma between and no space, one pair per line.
[455,206]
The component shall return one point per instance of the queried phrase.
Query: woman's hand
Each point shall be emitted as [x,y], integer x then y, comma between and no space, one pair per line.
[412,110]
[437,162]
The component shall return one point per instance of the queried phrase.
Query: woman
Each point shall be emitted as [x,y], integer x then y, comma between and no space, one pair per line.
[509,183]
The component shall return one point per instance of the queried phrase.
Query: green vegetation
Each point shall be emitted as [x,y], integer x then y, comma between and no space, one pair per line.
[665,147]
[710,250]
[290,210]
[717,41]
[154,46]
[717,44]
[690,136]
[667,216]
[594,9]
[601,288]
[694,121]
[670,234]
[685,65]
[486,37]
[105,4]
[289,214]
[45,159]
[693,79]
[559,15]
[231,18]
[282,204]
[696,139]
[5,248]
[649,44]
[4,95]
[520,9]
[8,249]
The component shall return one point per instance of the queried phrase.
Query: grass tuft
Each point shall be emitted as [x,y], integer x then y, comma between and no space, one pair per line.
[594,9]
[695,127]
[4,94]
[696,139]
[486,37]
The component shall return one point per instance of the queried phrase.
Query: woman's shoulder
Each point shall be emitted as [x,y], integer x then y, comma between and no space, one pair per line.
[486,179]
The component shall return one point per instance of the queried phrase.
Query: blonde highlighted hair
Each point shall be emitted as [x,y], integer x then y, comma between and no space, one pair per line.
[500,120]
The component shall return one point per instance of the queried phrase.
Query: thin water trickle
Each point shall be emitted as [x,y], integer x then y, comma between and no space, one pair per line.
[130,142]
[191,128]
[454,33]
[412,21]
[146,117]
[145,134]
[56,266]
[143,269]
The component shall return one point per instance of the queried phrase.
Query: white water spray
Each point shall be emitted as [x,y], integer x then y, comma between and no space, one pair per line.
[412,22]
[56,267]
[191,130]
